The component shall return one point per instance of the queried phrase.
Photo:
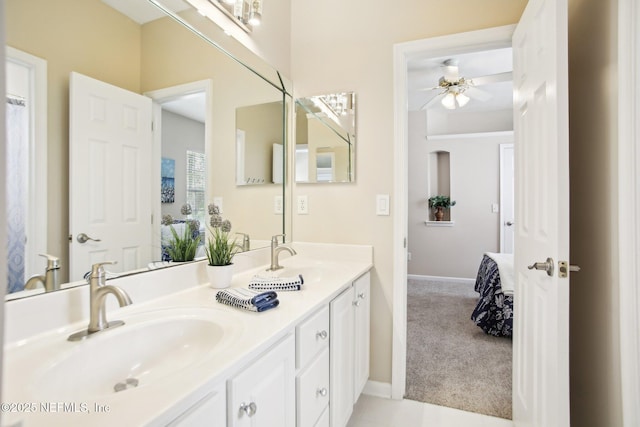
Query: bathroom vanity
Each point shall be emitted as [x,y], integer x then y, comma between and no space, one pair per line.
[182,359]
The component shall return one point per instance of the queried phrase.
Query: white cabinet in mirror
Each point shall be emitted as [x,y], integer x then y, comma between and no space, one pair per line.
[152,53]
[325,138]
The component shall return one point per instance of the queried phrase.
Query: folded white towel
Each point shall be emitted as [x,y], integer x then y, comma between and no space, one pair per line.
[505,268]
[293,283]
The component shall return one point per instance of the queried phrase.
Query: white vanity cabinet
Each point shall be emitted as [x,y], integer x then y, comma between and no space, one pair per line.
[209,411]
[263,393]
[349,348]
[312,362]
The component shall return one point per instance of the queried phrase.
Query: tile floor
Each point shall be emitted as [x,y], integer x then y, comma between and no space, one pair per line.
[378,412]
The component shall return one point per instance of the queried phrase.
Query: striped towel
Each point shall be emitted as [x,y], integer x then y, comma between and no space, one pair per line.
[248,299]
[276,283]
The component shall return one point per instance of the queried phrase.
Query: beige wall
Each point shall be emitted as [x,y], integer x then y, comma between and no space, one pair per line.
[348,46]
[594,323]
[106,47]
[474,165]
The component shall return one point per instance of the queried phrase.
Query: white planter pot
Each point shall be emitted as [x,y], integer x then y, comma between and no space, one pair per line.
[220,276]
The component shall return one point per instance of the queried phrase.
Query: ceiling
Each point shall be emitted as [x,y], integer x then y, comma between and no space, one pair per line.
[143,11]
[424,72]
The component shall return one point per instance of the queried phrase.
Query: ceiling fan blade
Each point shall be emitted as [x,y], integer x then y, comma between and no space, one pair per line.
[430,88]
[479,94]
[492,78]
[431,102]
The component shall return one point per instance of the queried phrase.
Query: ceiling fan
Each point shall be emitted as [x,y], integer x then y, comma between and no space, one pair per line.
[456,91]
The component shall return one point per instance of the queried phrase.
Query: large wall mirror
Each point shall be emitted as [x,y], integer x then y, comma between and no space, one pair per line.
[325,138]
[195,89]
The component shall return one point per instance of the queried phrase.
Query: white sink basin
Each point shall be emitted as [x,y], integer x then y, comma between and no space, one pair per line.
[149,348]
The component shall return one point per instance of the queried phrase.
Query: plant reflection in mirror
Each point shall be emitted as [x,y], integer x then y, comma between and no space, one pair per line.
[220,248]
[183,248]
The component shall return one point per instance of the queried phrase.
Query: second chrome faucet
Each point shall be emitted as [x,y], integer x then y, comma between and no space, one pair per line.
[98,291]
[275,251]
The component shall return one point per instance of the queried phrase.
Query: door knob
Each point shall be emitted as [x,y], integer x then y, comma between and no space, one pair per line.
[509,223]
[546,266]
[83,238]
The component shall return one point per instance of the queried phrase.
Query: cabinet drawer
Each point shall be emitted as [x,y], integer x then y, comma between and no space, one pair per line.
[312,335]
[313,390]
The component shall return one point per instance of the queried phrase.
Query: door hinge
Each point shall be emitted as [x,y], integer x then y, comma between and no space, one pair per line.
[405,242]
[564,268]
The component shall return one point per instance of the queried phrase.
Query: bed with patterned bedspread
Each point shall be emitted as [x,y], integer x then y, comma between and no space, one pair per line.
[494,311]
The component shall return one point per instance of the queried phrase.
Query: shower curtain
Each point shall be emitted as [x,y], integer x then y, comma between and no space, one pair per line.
[17,185]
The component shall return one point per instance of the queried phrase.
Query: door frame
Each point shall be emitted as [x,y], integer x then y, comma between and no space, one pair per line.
[629,208]
[36,221]
[491,38]
[159,97]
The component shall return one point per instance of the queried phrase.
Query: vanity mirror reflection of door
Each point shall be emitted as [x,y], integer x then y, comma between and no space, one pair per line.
[145,51]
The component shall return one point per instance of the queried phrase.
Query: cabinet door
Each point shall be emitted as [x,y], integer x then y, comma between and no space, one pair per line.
[210,411]
[341,358]
[362,310]
[263,394]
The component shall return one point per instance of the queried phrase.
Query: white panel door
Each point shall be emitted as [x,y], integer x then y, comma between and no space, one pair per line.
[109,176]
[541,322]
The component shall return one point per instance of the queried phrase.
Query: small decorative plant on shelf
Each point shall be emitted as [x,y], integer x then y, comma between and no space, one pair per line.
[220,249]
[183,248]
[439,204]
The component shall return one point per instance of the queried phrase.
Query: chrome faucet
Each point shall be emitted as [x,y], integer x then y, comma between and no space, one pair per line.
[49,280]
[98,291]
[246,242]
[275,251]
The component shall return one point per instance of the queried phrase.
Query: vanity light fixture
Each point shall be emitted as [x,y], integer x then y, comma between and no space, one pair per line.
[246,14]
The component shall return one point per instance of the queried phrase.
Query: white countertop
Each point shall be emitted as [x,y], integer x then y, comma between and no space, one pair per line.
[327,269]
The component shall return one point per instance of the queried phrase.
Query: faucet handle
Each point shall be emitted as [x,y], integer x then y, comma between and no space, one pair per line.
[274,239]
[53,262]
[97,269]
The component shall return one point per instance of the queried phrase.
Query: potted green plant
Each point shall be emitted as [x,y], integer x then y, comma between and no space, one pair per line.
[439,204]
[220,250]
[181,248]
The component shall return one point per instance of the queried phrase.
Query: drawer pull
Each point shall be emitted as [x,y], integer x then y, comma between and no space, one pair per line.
[322,392]
[249,409]
[322,335]
[361,295]
[356,303]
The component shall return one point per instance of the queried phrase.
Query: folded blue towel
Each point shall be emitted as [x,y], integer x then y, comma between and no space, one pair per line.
[277,283]
[248,299]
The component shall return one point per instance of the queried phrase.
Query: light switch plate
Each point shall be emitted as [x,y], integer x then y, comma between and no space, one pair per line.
[277,205]
[303,205]
[382,204]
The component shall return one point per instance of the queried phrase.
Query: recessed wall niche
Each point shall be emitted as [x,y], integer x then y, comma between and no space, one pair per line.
[439,179]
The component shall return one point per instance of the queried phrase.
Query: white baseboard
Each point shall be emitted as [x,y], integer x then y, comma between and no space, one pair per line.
[442,278]
[377,389]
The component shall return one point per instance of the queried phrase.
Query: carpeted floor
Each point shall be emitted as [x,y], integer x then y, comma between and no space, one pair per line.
[450,361]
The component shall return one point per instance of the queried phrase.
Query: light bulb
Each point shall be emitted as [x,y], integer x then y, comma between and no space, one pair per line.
[462,99]
[449,101]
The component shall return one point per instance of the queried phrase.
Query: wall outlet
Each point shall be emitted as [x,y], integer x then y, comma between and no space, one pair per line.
[303,205]
[495,208]
[408,256]
[277,205]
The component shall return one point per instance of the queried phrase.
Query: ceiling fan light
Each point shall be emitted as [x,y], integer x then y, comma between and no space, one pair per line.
[449,101]
[462,99]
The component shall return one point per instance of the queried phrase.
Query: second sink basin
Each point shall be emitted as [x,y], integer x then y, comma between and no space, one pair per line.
[145,350]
